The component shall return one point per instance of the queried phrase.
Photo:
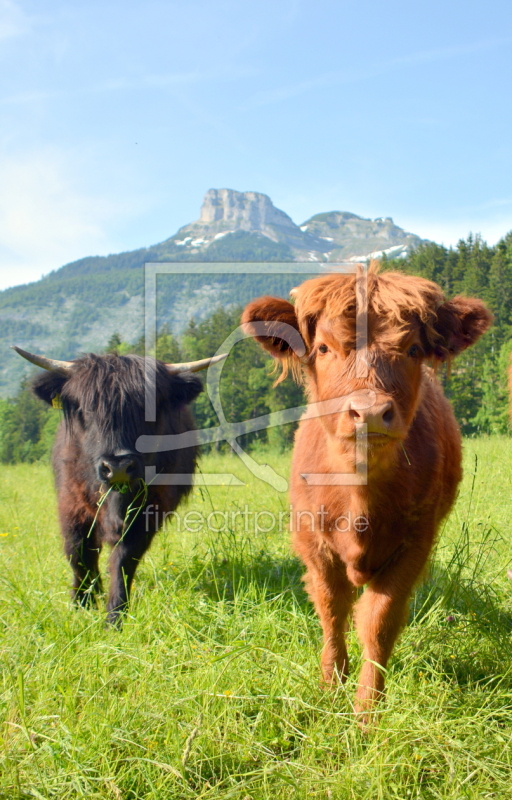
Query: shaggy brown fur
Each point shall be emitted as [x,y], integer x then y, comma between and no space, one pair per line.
[379,534]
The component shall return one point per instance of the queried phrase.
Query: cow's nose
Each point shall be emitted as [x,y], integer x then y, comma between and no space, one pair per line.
[117,470]
[377,417]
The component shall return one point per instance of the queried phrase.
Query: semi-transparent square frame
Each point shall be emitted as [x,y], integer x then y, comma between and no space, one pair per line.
[230,432]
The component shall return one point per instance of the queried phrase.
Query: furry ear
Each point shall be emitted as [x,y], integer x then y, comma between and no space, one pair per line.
[460,322]
[48,385]
[273,323]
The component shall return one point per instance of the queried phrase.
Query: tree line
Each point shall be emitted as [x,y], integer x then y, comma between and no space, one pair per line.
[476,384]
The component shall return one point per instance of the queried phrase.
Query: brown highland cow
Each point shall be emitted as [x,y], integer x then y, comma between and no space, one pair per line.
[376,532]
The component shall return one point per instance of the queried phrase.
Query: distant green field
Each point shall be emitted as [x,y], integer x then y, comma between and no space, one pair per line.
[212,688]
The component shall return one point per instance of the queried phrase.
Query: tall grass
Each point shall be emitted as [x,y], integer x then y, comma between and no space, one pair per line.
[212,688]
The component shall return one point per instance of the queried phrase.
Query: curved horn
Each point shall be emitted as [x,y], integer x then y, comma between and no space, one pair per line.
[51,364]
[195,366]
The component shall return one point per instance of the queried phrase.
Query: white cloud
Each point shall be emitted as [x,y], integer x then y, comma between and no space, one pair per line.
[46,220]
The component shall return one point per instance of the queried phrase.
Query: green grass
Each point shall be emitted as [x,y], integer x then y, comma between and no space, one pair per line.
[212,688]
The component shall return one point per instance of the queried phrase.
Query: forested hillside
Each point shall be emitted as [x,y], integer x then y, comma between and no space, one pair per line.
[78,307]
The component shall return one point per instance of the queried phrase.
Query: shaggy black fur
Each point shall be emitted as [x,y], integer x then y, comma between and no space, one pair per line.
[103,398]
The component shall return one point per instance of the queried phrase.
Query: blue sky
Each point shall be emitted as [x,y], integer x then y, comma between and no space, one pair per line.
[116,117]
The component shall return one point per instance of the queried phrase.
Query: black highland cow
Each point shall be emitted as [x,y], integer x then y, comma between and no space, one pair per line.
[103,399]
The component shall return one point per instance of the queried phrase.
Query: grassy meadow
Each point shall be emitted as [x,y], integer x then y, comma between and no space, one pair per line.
[212,688]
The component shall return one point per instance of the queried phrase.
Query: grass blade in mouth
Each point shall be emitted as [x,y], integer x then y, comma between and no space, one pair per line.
[405,454]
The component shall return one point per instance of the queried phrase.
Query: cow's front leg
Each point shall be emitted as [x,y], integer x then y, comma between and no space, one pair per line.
[333,595]
[82,549]
[379,615]
[123,562]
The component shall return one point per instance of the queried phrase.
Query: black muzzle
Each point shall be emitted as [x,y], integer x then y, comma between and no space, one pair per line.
[123,468]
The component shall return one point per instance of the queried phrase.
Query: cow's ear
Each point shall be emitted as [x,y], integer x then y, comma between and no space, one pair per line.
[48,386]
[273,323]
[185,388]
[460,322]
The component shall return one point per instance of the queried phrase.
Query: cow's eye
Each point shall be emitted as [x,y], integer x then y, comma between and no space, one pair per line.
[414,351]
[323,348]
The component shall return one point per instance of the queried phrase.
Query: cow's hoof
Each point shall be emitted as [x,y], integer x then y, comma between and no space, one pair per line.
[114,620]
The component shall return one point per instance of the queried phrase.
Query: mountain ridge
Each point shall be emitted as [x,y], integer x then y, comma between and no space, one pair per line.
[77,307]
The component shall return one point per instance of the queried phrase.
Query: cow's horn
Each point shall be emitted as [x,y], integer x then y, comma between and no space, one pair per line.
[195,366]
[51,364]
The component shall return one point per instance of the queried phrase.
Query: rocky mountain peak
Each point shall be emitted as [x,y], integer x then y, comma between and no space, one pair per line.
[228,216]
[250,211]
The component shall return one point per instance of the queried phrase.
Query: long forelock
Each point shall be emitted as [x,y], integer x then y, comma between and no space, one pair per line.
[111,389]
[393,299]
